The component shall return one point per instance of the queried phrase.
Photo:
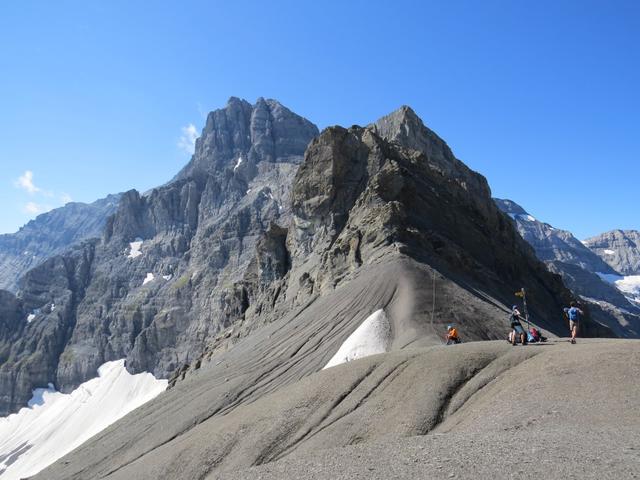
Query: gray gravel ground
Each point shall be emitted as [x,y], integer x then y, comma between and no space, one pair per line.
[579,454]
[476,410]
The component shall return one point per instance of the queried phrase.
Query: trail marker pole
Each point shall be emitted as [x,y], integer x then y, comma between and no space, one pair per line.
[524,302]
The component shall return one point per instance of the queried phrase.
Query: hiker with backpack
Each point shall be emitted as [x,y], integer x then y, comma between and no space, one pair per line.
[517,331]
[534,336]
[452,335]
[573,313]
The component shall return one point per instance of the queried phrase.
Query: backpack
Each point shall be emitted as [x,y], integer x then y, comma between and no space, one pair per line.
[573,314]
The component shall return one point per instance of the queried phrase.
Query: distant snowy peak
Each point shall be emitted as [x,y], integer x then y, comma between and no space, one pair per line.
[550,243]
[56,423]
[618,248]
[588,274]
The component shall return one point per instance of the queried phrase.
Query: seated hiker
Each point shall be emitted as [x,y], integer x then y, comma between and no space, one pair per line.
[573,313]
[452,335]
[531,338]
[534,335]
[517,332]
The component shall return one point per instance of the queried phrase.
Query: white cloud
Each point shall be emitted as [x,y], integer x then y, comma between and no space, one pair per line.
[65,198]
[187,140]
[26,182]
[34,208]
[202,111]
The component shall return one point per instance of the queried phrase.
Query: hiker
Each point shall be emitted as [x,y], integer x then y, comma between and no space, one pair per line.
[534,336]
[516,327]
[573,313]
[452,335]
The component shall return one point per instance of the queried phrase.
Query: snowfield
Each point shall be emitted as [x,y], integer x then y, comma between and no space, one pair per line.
[56,423]
[134,251]
[148,278]
[371,337]
[629,285]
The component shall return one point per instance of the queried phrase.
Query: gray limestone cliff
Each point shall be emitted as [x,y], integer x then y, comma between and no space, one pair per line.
[163,276]
[620,249]
[51,234]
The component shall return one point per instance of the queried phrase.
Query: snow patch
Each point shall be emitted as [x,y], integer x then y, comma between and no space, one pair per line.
[148,278]
[609,252]
[238,163]
[371,337]
[30,317]
[629,285]
[56,423]
[167,277]
[521,216]
[135,248]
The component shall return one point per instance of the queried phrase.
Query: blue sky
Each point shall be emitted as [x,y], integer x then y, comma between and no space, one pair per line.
[540,97]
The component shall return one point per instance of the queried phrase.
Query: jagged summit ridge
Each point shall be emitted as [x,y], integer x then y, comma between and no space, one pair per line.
[242,135]
[406,128]
[195,237]
[618,248]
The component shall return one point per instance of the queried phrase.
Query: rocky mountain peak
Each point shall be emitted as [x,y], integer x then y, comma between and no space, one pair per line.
[239,136]
[510,207]
[581,268]
[618,248]
[404,127]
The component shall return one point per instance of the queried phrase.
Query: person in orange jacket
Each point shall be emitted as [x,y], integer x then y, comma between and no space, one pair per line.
[452,335]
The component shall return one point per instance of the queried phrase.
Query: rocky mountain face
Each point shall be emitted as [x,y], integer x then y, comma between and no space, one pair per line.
[252,245]
[620,249]
[51,234]
[376,225]
[162,278]
[383,220]
[579,267]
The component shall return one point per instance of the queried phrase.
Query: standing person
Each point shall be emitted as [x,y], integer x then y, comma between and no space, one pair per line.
[516,327]
[452,335]
[574,314]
